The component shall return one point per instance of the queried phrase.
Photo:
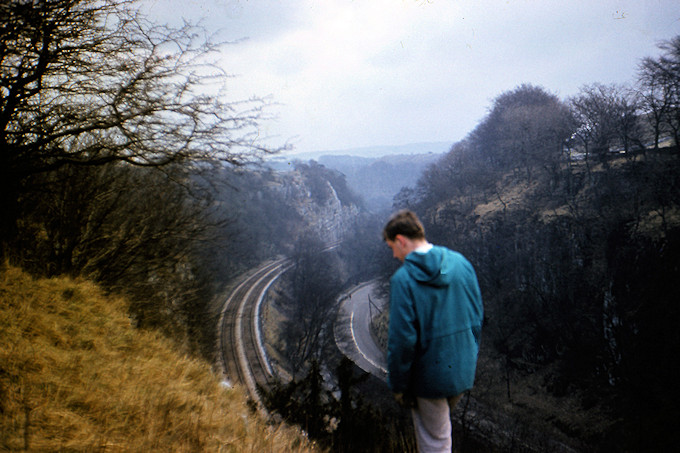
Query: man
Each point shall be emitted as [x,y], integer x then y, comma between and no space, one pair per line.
[435,326]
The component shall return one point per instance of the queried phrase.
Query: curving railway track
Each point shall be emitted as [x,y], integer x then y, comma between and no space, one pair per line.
[243,357]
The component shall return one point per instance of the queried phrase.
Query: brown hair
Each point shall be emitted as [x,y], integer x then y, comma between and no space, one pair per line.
[406,223]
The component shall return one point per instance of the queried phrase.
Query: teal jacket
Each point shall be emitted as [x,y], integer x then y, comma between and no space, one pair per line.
[435,325]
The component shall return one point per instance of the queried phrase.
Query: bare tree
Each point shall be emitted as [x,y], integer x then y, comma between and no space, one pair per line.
[607,117]
[89,82]
[135,230]
[659,80]
[315,287]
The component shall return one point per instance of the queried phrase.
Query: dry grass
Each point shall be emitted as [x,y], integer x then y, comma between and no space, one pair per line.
[512,196]
[75,376]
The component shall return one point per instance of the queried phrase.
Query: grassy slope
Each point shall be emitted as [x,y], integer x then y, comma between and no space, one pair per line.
[75,376]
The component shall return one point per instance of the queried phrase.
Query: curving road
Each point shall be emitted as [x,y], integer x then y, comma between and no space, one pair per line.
[244,360]
[352,331]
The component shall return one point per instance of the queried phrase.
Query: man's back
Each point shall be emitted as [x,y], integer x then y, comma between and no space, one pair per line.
[435,323]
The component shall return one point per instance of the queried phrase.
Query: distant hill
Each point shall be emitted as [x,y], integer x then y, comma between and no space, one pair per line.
[378,180]
[373,151]
[375,173]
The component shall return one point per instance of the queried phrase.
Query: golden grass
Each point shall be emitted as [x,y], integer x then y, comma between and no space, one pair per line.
[75,376]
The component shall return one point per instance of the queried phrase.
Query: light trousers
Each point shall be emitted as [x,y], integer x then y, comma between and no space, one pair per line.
[432,423]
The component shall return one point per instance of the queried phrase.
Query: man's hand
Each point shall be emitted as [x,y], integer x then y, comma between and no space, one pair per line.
[405,400]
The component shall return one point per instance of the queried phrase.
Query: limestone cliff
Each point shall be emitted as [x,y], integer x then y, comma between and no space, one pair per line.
[321,197]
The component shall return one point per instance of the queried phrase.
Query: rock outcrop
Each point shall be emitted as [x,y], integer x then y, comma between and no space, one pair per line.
[321,197]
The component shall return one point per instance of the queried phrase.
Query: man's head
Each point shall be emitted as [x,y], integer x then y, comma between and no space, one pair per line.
[403,233]
[406,223]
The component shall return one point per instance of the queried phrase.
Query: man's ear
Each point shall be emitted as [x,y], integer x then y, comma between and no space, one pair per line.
[401,240]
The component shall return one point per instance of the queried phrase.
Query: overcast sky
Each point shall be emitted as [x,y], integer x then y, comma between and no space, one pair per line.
[353,73]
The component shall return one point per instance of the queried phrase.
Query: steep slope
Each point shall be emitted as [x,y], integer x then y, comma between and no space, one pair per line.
[378,180]
[321,198]
[75,376]
[375,179]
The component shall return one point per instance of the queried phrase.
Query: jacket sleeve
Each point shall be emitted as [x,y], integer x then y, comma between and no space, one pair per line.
[403,336]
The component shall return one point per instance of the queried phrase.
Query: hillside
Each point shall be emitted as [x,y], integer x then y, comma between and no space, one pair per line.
[577,264]
[379,180]
[376,173]
[374,152]
[76,376]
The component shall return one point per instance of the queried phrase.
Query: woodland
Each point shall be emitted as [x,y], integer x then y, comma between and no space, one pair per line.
[569,211]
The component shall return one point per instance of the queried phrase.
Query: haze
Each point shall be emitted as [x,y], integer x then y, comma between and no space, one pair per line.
[347,74]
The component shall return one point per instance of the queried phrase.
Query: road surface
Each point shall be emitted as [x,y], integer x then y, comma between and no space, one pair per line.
[352,331]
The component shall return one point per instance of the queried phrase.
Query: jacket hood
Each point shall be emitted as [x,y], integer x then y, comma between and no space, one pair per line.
[431,268]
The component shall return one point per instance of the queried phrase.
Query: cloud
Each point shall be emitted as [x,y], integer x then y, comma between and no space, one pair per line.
[351,73]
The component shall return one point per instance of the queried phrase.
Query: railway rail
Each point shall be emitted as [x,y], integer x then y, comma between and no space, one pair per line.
[242,353]
[244,360]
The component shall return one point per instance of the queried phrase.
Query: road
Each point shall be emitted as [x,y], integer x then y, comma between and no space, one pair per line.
[243,357]
[352,331]
[352,335]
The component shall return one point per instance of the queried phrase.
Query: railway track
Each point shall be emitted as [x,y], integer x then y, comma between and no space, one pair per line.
[242,352]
